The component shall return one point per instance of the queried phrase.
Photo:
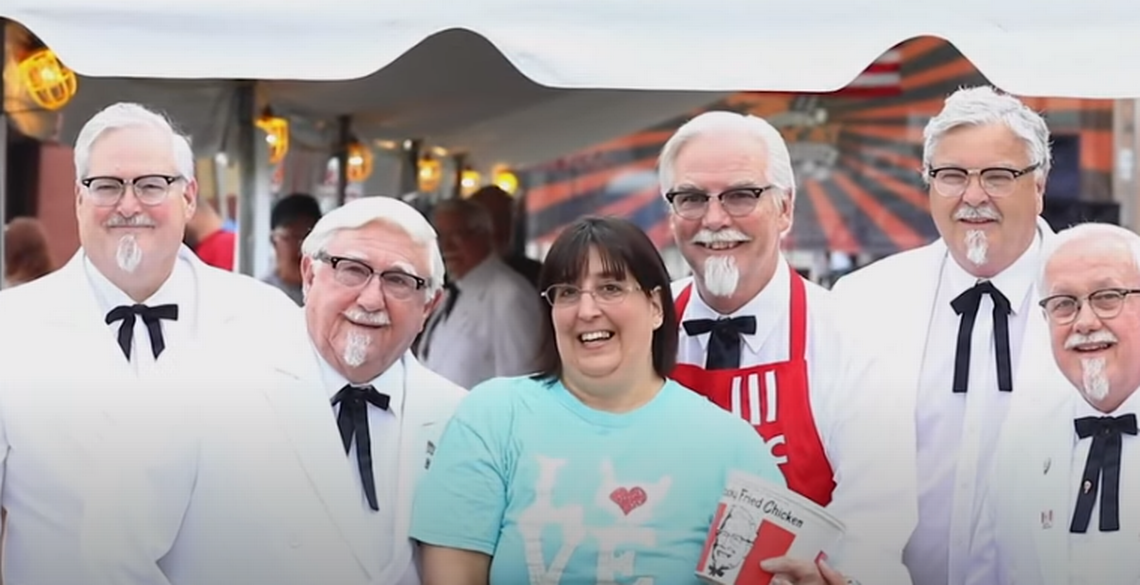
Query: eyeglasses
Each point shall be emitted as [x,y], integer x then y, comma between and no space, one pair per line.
[1106,304]
[149,189]
[355,274]
[996,181]
[738,202]
[565,295]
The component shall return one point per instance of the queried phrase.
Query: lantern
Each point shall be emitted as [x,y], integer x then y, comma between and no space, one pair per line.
[506,180]
[49,83]
[429,173]
[276,131]
[359,162]
[468,182]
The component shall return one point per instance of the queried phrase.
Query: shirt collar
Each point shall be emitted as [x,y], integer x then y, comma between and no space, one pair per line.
[1081,407]
[1015,282]
[768,307]
[179,288]
[390,382]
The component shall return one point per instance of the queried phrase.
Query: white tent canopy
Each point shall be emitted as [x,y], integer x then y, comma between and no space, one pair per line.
[1064,48]
[471,76]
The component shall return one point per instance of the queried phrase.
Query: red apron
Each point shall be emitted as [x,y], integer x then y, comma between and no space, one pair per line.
[774,399]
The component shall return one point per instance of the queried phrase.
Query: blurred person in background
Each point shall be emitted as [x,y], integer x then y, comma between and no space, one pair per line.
[487,324]
[291,220]
[26,253]
[501,206]
[207,237]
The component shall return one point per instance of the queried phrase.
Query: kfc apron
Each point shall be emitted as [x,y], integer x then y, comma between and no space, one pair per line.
[774,399]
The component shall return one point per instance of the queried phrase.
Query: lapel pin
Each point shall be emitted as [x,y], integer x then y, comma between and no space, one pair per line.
[1048,464]
[1088,486]
[1047,519]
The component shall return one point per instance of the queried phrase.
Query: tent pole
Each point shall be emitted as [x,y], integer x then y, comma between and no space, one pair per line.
[247,163]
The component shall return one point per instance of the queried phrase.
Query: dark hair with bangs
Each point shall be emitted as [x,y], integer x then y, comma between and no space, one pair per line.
[624,250]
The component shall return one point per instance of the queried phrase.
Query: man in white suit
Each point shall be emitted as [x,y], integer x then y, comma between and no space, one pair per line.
[760,341]
[956,318]
[299,467]
[119,320]
[1063,504]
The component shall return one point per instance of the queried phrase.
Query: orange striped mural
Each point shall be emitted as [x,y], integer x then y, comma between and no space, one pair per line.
[856,159]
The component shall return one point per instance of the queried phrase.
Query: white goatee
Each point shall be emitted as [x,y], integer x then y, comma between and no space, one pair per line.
[721,276]
[1095,381]
[355,348]
[129,254]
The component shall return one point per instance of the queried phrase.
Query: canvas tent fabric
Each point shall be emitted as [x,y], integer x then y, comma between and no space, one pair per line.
[492,76]
[1058,48]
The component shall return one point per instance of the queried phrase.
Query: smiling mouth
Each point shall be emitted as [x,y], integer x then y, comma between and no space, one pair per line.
[366,324]
[1092,347]
[720,246]
[595,338]
[977,221]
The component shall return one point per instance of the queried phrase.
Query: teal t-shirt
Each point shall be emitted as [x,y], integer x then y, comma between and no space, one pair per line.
[559,493]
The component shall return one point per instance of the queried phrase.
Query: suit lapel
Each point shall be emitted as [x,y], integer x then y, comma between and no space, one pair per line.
[81,320]
[420,431]
[915,307]
[1051,468]
[303,408]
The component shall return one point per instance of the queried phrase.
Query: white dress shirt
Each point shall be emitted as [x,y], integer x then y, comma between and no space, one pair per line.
[493,330]
[1107,557]
[384,428]
[874,491]
[180,288]
[957,432]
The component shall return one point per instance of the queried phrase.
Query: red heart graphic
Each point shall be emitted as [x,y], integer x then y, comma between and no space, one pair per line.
[628,500]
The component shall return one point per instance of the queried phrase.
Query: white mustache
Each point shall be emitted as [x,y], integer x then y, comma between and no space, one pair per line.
[139,220]
[377,318]
[984,212]
[727,235]
[1102,336]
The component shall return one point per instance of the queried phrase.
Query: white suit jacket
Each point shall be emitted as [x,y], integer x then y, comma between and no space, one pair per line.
[893,299]
[1023,534]
[253,485]
[63,385]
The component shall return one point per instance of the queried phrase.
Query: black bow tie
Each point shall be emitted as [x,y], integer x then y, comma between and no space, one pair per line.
[966,306]
[150,316]
[724,343]
[1103,463]
[352,420]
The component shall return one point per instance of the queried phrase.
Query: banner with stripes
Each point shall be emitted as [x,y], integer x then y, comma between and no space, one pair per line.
[856,154]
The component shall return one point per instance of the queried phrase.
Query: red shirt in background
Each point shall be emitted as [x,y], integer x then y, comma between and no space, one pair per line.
[217,250]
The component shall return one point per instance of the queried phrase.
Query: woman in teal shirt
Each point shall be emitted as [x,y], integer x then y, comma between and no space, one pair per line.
[599,469]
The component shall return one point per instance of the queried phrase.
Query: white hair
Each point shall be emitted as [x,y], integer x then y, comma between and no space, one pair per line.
[1084,232]
[983,106]
[477,217]
[129,115]
[779,171]
[386,210]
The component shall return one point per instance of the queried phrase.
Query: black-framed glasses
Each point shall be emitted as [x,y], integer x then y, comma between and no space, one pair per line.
[149,189]
[355,274]
[1105,303]
[694,204]
[997,182]
[609,293]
